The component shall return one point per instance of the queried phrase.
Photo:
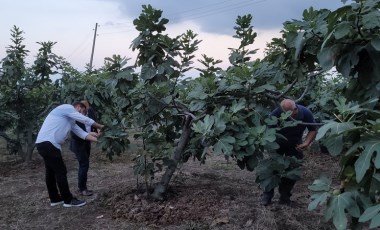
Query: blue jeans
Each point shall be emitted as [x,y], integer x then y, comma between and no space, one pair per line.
[55,173]
[82,152]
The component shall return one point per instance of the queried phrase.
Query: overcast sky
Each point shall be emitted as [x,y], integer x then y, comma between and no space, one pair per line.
[71,24]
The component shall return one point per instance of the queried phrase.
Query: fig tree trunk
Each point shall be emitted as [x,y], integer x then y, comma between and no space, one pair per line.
[29,145]
[161,188]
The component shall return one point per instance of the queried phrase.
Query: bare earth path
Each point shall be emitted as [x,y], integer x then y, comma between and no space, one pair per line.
[217,195]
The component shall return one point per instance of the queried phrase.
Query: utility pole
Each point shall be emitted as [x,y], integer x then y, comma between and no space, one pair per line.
[93,46]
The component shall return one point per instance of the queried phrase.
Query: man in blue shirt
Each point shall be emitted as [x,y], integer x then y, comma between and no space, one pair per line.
[57,125]
[293,145]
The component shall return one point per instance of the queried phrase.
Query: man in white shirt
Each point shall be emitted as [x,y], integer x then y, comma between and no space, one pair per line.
[55,129]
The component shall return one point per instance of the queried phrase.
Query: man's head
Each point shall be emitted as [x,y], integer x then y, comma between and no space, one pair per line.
[289,105]
[80,107]
[85,102]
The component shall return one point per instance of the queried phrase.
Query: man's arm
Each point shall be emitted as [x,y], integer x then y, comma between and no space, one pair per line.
[312,131]
[77,116]
[310,137]
[97,125]
[92,137]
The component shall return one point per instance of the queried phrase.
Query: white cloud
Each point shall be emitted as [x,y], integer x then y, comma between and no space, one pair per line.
[216,45]
[70,23]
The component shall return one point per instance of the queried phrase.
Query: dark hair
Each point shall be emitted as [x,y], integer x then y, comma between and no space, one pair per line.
[75,104]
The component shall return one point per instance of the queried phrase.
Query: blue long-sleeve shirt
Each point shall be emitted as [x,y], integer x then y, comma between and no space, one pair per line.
[59,122]
[294,134]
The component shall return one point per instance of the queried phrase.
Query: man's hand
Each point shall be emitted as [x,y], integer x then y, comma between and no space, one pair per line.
[308,140]
[92,136]
[301,147]
[97,125]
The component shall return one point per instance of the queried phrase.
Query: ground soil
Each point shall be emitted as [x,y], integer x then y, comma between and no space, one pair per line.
[215,195]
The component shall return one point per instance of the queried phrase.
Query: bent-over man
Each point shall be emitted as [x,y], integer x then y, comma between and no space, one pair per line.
[54,130]
[292,146]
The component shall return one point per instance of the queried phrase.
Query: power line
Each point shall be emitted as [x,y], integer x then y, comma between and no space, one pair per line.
[80,46]
[183,12]
[118,25]
[132,29]
[220,9]
[199,8]
[220,6]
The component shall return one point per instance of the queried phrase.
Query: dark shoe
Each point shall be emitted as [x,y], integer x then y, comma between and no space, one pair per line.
[55,203]
[266,199]
[86,193]
[285,201]
[74,203]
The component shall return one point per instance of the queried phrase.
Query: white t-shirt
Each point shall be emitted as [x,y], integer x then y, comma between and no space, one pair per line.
[59,122]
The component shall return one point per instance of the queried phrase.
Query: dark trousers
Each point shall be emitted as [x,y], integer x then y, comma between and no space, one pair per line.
[82,151]
[55,173]
[286,185]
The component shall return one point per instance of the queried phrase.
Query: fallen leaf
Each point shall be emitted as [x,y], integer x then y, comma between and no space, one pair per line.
[248,223]
[222,220]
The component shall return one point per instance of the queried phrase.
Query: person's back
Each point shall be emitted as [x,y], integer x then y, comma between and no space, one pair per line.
[56,126]
[294,134]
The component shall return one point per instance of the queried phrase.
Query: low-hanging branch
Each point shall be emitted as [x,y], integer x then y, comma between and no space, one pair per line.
[47,109]
[277,95]
[309,80]
[305,91]
[287,90]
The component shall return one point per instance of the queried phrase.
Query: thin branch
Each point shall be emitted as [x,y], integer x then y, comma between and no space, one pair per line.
[47,109]
[188,114]
[319,71]
[5,136]
[357,21]
[287,90]
[306,123]
[270,92]
[277,95]
[310,76]
[315,124]
[305,91]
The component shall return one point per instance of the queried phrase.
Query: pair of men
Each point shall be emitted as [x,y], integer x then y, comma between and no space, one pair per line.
[57,125]
[63,119]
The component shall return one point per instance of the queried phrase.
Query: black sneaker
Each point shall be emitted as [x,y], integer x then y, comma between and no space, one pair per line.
[74,203]
[285,201]
[86,192]
[266,199]
[55,203]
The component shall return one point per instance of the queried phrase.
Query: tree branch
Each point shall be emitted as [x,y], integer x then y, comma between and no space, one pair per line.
[287,90]
[309,80]
[47,109]
[305,91]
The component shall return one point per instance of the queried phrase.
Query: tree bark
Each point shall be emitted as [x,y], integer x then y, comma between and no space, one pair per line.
[29,145]
[5,136]
[15,144]
[161,188]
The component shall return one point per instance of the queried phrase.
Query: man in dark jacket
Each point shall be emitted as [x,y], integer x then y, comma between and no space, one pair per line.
[293,145]
[82,149]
